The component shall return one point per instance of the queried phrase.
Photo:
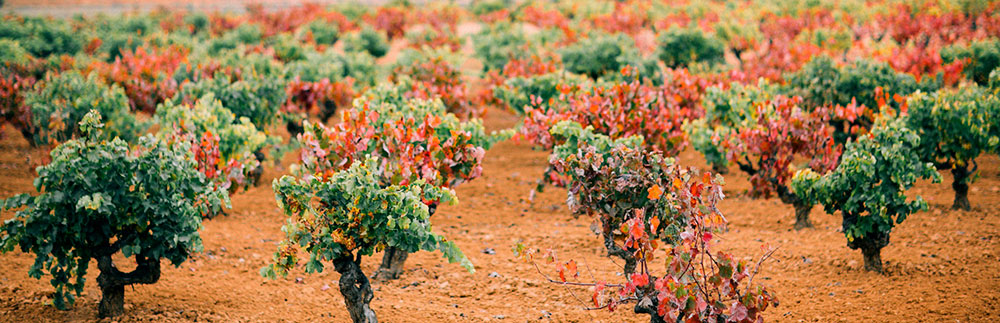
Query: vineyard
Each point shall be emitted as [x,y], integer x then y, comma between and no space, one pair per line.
[503,160]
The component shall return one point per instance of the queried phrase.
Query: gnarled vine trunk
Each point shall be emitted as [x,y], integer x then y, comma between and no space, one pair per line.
[802,208]
[113,282]
[256,173]
[961,187]
[294,128]
[328,111]
[392,264]
[871,244]
[607,231]
[647,304]
[356,289]
[394,258]
[802,216]
[720,169]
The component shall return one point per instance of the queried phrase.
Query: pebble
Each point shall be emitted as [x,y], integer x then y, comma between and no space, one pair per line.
[494,275]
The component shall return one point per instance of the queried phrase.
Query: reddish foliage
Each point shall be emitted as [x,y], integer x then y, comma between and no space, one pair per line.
[390,20]
[931,23]
[281,21]
[680,19]
[324,96]
[620,110]
[496,16]
[410,147]
[925,61]
[625,18]
[12,107]
[434,77]
[543,18]
[221,23]
[435,39]
[786,28]
[145,75]
[697,284]
[782,133]
[684,90]
[517,67]
[206,153]
[771,60]
[227,175]
[551,18]
[440,18]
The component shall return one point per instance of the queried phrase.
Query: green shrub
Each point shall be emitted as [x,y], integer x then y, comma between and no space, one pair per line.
[680,47]
[257,97]
[114,44]
[497,44]
[322,32]
[98,198]
[482,7]
[238,137]
[353,10]
[955,127]
[816,83]
[42,36]
[350,215]
[334,67]
[11,53]
[869,186]
[599,55]
[198,21]
[244,34]
[246,63]
[516,92]
[121,34]
[821,82]
[367,40]
[60,103]
[287,48]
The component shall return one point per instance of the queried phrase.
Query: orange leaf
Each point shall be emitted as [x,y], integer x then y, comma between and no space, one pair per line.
[655,192]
